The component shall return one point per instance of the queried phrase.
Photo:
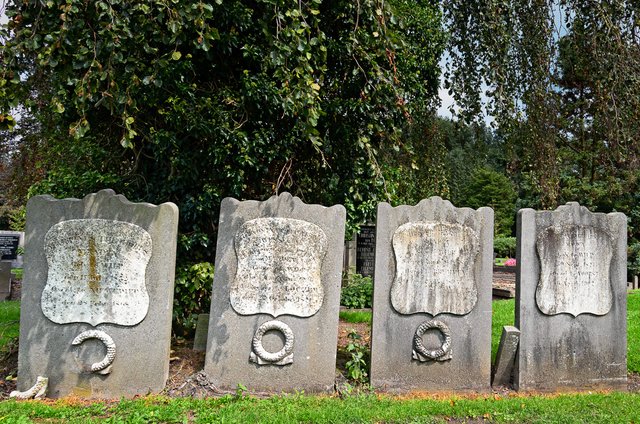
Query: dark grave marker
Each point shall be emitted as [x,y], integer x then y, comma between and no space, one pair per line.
[366,250]
[9,246]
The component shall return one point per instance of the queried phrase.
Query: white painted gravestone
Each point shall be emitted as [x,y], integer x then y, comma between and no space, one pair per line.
[97,295]
[276,295]
[432,297]
[571,299]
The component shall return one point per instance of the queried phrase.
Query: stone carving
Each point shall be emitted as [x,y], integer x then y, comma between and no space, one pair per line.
[96,272]
[574,270]
[260,355]
[434,268]
[279,267]
[422,354]
[104,366]
[38,390]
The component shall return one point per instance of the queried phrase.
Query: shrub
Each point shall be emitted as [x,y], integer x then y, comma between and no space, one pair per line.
[505,247]
[192,295]
[357,291]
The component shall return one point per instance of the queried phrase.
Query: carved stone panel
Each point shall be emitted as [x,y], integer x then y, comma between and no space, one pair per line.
[279,267]
[574,275]
[96,272]
[434,268]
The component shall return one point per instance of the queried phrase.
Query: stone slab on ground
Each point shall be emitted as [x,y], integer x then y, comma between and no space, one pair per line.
[5,280]
[100,274]
[200,338]
[571,300]
[276,292]
[506,356]
[433,264]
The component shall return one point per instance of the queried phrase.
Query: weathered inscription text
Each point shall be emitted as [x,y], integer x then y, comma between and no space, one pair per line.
[574,270]
[279,267]
[434,268]
[96,272]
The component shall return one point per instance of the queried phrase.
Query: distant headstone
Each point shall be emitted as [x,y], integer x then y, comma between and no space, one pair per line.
[276,292]
[432,297]
[97,295]
[366,250]
[571,290]
[9,246]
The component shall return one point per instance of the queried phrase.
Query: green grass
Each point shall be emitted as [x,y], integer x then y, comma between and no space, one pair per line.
[354,317]
[584,408]
[633,331]
[17,272]
[9,321]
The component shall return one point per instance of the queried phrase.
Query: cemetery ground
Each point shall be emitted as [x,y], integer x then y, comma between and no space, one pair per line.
[189,397]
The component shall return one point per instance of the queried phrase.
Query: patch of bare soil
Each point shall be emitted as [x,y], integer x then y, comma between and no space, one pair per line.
[8,368]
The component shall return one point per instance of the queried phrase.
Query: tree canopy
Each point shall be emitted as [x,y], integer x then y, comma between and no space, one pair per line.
[192,101]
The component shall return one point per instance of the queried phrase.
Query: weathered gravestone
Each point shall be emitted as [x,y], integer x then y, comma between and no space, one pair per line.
[276,294]
[571,299]
[97,295]
[432,297]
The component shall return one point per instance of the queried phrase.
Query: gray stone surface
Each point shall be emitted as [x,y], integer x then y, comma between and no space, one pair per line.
[202,329]
[449,296]
[126,342]
[571,299]
[506,356]
[5,280]
[247,344]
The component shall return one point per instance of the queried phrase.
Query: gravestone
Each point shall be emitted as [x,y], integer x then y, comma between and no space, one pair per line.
[432,298]
[9,242]
[97,295]
[571,299]
[276,292]
[366,250]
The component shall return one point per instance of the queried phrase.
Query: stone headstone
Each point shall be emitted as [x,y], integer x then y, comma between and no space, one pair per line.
[366,250]
[571,297]
[276,292]
[97,295]
[432,297]
[5,280]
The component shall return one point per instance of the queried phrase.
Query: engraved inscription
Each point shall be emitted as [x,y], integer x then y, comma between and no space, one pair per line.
[96,272]
[434,268]
[279,267]
[574,270]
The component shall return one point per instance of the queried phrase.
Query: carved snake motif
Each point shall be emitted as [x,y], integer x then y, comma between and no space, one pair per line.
[282,353]
[432,354]
[102,366]
[37,391]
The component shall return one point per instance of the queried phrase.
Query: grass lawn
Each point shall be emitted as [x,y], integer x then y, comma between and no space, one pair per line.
[584,408]
[9,321]
[356,316]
